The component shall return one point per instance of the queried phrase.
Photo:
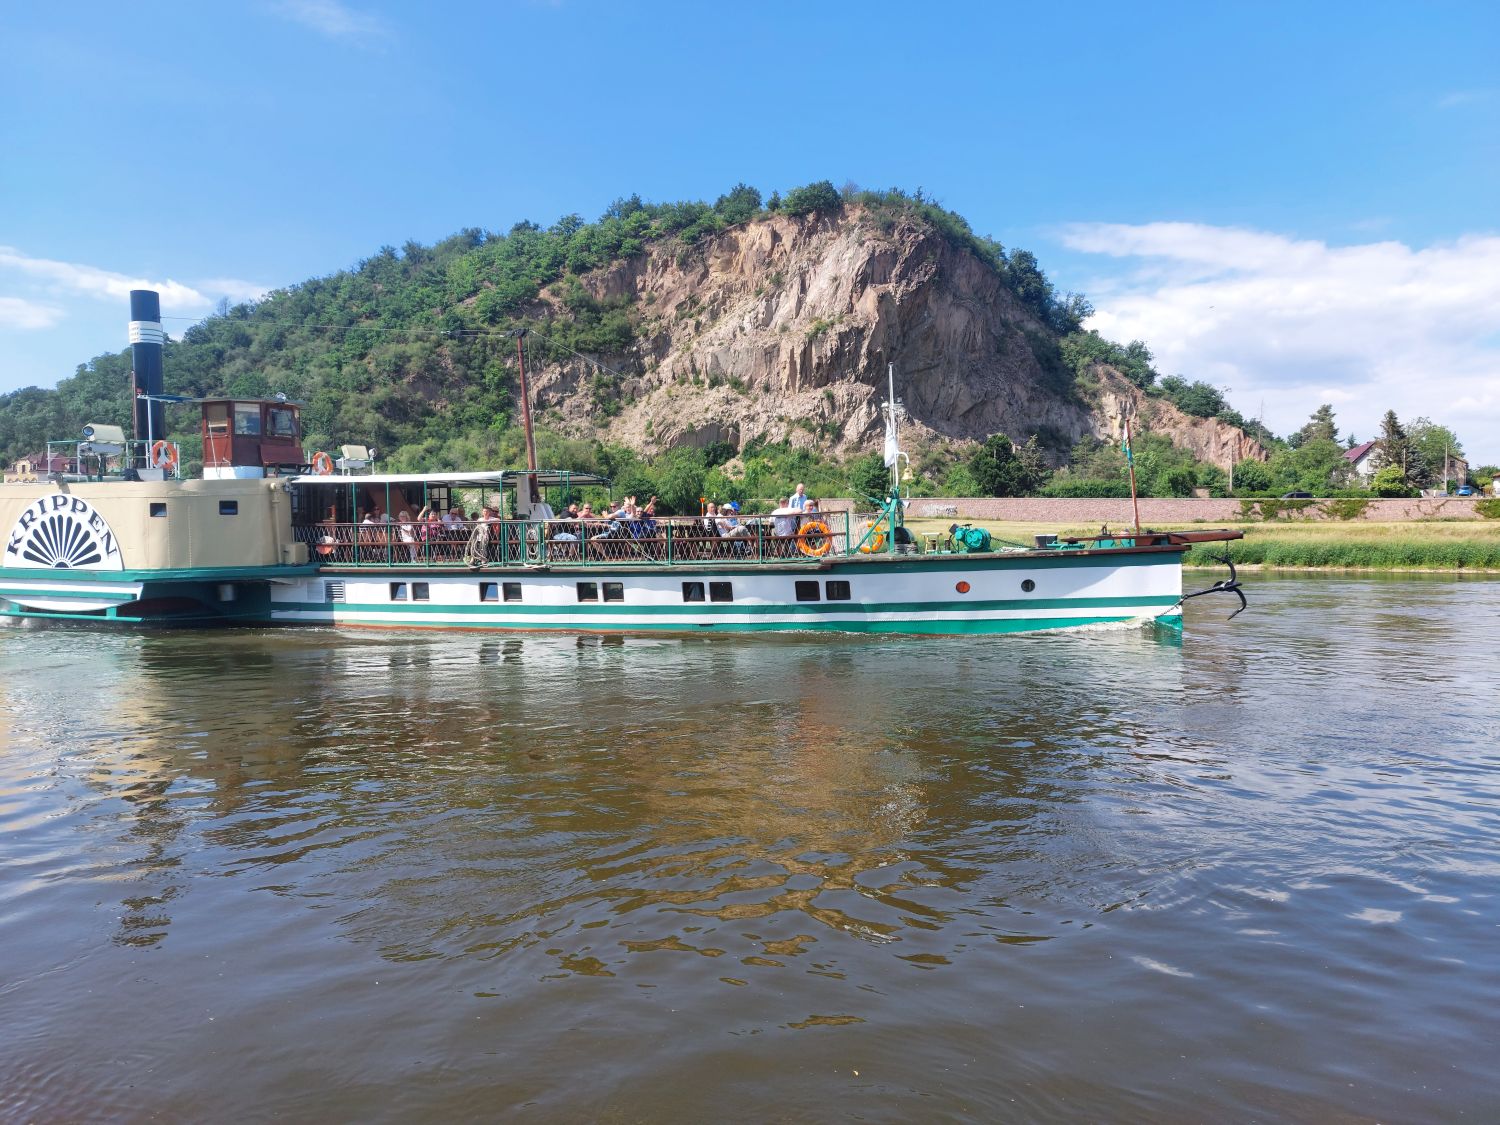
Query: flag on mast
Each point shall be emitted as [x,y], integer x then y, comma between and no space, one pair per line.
[892,447]
[1125,444]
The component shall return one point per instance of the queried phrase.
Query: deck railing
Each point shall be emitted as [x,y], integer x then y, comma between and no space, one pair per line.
[569,542]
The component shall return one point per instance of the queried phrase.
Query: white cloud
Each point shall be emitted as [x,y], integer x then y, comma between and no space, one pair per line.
[336,21]
[70,277]
[41,293]
[1298,322]
[16,312]
[236,289]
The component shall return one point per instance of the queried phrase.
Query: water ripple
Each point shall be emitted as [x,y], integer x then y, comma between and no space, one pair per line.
[322,874]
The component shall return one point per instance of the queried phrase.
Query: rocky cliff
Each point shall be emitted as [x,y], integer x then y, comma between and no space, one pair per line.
[1207,439]
[782,328]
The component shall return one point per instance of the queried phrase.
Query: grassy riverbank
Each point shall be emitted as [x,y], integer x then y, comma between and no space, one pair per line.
[1469,545]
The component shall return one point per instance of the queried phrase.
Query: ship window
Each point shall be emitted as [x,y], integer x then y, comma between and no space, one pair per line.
[229,507]
[247,419]
[807,591]
[1028,585]
[490,591]
[721,591]
[420,592]
[283,423]
[614,591]
[216,414]
[159,509]
[512,591]
[837,591]
[588,591]
[398,591]
[692,591]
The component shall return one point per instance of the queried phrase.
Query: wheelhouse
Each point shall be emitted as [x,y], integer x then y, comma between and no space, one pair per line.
[247,437]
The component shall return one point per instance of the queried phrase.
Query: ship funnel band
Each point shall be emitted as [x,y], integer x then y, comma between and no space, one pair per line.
[147,332]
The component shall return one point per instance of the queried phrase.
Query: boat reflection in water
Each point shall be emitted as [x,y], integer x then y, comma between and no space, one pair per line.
[314,873]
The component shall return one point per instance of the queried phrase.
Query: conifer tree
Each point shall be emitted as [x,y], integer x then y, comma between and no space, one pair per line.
[1396,450]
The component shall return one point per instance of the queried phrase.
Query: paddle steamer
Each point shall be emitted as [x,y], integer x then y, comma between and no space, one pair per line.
[111,532]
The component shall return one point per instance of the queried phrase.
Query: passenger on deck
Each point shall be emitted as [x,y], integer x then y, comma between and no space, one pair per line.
[798,499]
[729,525]
[407,529]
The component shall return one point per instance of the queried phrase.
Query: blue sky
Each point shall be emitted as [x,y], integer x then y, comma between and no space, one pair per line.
[1295,201]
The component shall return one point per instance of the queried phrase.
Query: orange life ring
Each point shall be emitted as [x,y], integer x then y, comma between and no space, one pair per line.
[815,530]
[322,464]
[875,542]
[164,454]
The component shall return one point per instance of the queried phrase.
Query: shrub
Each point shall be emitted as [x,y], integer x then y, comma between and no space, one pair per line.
[1346,508]
[1488,509]
[1251,476]
[1390,481]
[819,196]
[1081,487]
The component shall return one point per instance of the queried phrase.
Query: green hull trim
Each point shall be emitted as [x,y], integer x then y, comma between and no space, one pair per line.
[10,574]
[12,593]
[947,627]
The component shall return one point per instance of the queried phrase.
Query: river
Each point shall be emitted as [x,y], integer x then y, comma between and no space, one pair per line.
[330,875]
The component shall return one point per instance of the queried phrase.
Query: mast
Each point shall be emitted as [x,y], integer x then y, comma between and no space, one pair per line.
[1135,504]
[892,438]
[525,404]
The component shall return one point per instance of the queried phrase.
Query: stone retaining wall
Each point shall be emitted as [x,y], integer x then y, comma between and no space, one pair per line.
[1038,509]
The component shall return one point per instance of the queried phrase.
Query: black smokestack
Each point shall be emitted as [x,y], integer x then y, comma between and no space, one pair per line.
[146,339]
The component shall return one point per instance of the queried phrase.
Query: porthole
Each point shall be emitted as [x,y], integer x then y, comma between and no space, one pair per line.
[1028,585]
[962,587]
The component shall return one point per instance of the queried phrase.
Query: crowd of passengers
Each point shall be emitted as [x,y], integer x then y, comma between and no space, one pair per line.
[444,535]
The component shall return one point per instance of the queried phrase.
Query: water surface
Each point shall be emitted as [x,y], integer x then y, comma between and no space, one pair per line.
[317,874]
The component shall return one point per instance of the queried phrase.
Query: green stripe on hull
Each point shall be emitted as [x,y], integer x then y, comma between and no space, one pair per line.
[120,596]
[948,627]
[186,574]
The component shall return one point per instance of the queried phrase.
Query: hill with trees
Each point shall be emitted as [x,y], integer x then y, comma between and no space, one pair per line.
[728,346]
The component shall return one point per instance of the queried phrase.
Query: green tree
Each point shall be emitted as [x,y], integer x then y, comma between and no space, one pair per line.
[868,476]
[1202,400]
[1396,450]
[1321,426]
[1251,476]
[1212,478]
[1081,350]
[819,196]
[1000,468]
[1437,446]
[741,202]
[1390,481]
[1311,466]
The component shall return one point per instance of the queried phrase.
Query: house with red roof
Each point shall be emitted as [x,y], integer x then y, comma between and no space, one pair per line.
[1361,460]
[38,465]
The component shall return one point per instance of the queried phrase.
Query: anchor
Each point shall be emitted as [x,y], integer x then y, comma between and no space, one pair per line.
[1230,585]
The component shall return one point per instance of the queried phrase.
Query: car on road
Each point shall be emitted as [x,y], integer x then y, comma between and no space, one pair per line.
[1465,490]
[1296,495]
